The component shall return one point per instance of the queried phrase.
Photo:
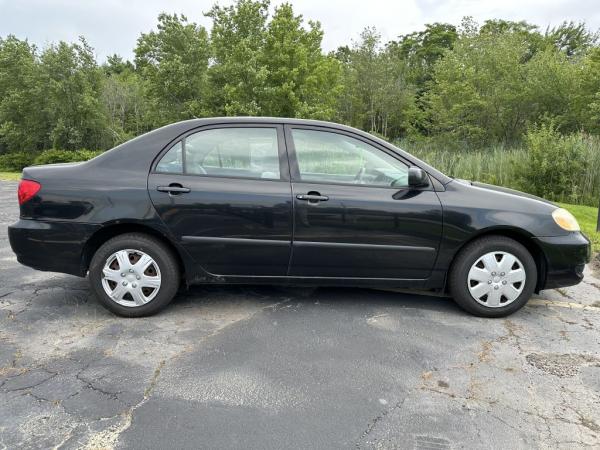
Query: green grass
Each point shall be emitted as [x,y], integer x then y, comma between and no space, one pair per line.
[10,176]
[587,216]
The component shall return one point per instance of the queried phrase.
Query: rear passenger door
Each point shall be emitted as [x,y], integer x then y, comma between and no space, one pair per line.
[224,192]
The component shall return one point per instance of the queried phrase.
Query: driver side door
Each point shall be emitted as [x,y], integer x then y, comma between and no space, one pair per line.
[354,214]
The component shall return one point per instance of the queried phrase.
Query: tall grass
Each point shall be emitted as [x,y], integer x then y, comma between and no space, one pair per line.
[503,166]
[591,177]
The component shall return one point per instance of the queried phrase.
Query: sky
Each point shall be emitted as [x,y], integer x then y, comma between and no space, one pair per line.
[113,26]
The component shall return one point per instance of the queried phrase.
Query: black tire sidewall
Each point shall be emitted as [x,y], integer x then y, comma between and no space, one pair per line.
[154,248]
[470,254]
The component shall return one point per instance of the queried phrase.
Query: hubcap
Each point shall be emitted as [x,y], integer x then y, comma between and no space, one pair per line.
[496,279]
[131,278]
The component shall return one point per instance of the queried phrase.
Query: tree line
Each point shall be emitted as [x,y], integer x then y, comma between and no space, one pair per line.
[464,85]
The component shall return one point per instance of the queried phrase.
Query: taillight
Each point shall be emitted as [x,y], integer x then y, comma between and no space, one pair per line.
[27,189]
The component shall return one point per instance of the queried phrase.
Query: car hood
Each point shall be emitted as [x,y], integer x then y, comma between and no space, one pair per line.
[491,187]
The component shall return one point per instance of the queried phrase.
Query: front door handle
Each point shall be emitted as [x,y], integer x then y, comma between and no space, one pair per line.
[312,197]
[173,189]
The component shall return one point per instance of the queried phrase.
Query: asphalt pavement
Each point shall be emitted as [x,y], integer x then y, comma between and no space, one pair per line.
[268,368]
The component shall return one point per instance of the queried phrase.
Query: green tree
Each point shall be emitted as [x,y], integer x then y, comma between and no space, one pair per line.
[422,49]
[116,65]
[378,95]
[126,107]
[416,53]
[470,84]
[23,123]
[173,64]
[500,26]
[270,66]
[572,38]
[300,81]
[490,87]
[586,99]
[238,75]
[72,82]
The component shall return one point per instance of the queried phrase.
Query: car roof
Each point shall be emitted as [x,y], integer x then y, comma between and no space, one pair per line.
[265,119]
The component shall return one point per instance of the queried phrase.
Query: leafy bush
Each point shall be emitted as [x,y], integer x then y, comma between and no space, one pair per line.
[555,165]
[64,156]
[14,162]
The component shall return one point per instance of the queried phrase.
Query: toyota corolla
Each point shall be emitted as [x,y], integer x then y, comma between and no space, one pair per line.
[287,201]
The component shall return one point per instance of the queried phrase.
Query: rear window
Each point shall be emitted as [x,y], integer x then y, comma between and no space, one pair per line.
[172,161]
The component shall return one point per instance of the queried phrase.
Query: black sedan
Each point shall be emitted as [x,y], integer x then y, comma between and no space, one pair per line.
[287,201]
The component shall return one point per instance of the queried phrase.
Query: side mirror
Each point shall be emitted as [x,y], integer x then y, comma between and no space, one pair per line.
[417,177]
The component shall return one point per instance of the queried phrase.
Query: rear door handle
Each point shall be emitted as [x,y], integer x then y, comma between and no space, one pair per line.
[173,189]
[312,197]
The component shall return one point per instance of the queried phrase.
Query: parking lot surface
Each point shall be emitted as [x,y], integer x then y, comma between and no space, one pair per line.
[266,367]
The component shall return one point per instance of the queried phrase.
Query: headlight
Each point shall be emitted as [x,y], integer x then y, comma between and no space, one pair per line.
[565,219]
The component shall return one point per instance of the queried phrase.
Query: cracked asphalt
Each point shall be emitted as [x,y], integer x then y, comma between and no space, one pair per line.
[265,367]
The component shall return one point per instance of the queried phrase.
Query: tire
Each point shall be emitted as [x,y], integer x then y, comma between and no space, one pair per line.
[159,278]
[499,295]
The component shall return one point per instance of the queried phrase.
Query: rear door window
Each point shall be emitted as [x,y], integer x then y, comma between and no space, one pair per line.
[243,152]
[233,152]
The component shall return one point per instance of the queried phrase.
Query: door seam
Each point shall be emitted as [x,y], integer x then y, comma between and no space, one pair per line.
[292,200]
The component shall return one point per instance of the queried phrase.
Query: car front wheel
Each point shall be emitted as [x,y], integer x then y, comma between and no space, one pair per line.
[134,275]
[493,276]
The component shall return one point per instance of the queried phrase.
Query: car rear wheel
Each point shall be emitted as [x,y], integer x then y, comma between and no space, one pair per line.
[134,275]
[493,276]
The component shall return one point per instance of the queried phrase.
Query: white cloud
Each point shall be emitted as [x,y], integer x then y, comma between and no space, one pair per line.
[113,26]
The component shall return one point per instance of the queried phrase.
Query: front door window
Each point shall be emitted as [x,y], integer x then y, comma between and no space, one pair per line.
[325,157]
